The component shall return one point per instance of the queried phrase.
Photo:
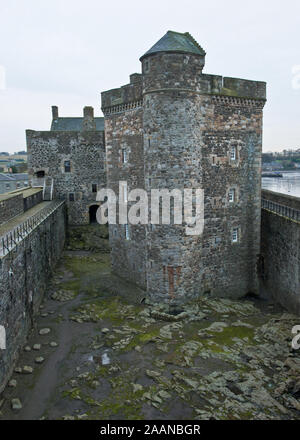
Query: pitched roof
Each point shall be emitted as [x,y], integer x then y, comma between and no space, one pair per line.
[74,124]
[176,42]
[18,176]
[6,177]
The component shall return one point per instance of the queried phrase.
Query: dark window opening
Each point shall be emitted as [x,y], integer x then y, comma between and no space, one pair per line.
[40,174]
[94,187]
[67,165]
[93,213]
[71,197]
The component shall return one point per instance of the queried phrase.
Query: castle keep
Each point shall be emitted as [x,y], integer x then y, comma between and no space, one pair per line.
[177,127]
[171,127]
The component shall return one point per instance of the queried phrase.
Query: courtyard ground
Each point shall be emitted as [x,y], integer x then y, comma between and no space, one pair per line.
[98,352]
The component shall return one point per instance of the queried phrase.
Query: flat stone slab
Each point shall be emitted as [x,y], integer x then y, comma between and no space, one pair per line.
[44,331]
[16,404]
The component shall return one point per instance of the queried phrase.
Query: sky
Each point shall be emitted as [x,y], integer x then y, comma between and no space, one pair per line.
[65,52]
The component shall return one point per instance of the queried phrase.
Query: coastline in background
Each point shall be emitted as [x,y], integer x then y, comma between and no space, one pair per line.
[288,184]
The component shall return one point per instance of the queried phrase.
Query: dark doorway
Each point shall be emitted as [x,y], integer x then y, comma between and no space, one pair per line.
[40,174]
[92,212]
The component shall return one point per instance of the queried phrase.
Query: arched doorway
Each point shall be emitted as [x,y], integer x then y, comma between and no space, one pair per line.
[92,213]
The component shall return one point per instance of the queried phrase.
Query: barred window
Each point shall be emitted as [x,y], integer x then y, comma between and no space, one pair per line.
[235,235]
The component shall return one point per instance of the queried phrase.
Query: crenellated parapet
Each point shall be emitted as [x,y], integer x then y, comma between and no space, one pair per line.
[124,98]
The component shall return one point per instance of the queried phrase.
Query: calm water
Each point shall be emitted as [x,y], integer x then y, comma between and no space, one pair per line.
[288,184]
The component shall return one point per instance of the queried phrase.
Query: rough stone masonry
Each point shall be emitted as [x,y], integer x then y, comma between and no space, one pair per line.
[179,128]
[172,126]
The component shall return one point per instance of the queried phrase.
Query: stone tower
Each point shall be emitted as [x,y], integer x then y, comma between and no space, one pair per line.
[180,129]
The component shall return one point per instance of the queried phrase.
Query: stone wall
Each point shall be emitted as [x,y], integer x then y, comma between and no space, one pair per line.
[24,273]
[10,206]
[124,136]
[280,252]
[31,200]
[188,123]
[49,150]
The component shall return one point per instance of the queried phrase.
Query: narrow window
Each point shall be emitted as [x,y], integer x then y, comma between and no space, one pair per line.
[146,66]
[71,197]
[127,232]
[232,195]
[235,235]
[233,153]
[67,165]
[124,156]
[94,187]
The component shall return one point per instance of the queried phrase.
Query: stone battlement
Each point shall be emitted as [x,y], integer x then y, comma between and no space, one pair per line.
[129,93]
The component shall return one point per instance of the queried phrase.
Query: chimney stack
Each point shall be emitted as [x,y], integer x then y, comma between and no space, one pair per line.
[88,119]
[54,112]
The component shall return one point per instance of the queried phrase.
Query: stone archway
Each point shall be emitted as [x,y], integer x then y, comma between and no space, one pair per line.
[93,213]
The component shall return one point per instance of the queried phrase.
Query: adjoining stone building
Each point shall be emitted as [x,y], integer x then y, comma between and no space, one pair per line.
[70,158]
[174,126]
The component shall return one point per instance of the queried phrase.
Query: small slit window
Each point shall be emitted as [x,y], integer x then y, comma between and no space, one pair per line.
[67,166]
[233,153]
[124,156]
[94,187]
[71,197]
[146,66]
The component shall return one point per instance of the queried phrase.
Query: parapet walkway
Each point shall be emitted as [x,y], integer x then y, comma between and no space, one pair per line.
[18,227]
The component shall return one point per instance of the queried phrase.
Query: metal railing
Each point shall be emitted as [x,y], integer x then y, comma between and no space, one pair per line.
[283,210]
[37,182]
[16,235]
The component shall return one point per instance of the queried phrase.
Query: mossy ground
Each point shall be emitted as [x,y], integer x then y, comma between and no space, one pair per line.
[156,369]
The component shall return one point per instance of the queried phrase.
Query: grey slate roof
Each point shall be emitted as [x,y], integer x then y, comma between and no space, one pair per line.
[18,176]
[6,177]
[176,42]
[74,124]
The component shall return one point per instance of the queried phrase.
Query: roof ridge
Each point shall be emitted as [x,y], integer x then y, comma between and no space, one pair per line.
[195,42]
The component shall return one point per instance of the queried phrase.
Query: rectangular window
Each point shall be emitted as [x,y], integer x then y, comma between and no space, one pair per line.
[94,187]
[235,235]
[124,156]
[127,232]
[233,153]
[71,197]
[232,195]
[67,165]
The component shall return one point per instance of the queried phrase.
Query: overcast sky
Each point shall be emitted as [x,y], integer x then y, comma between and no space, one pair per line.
[65,52]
